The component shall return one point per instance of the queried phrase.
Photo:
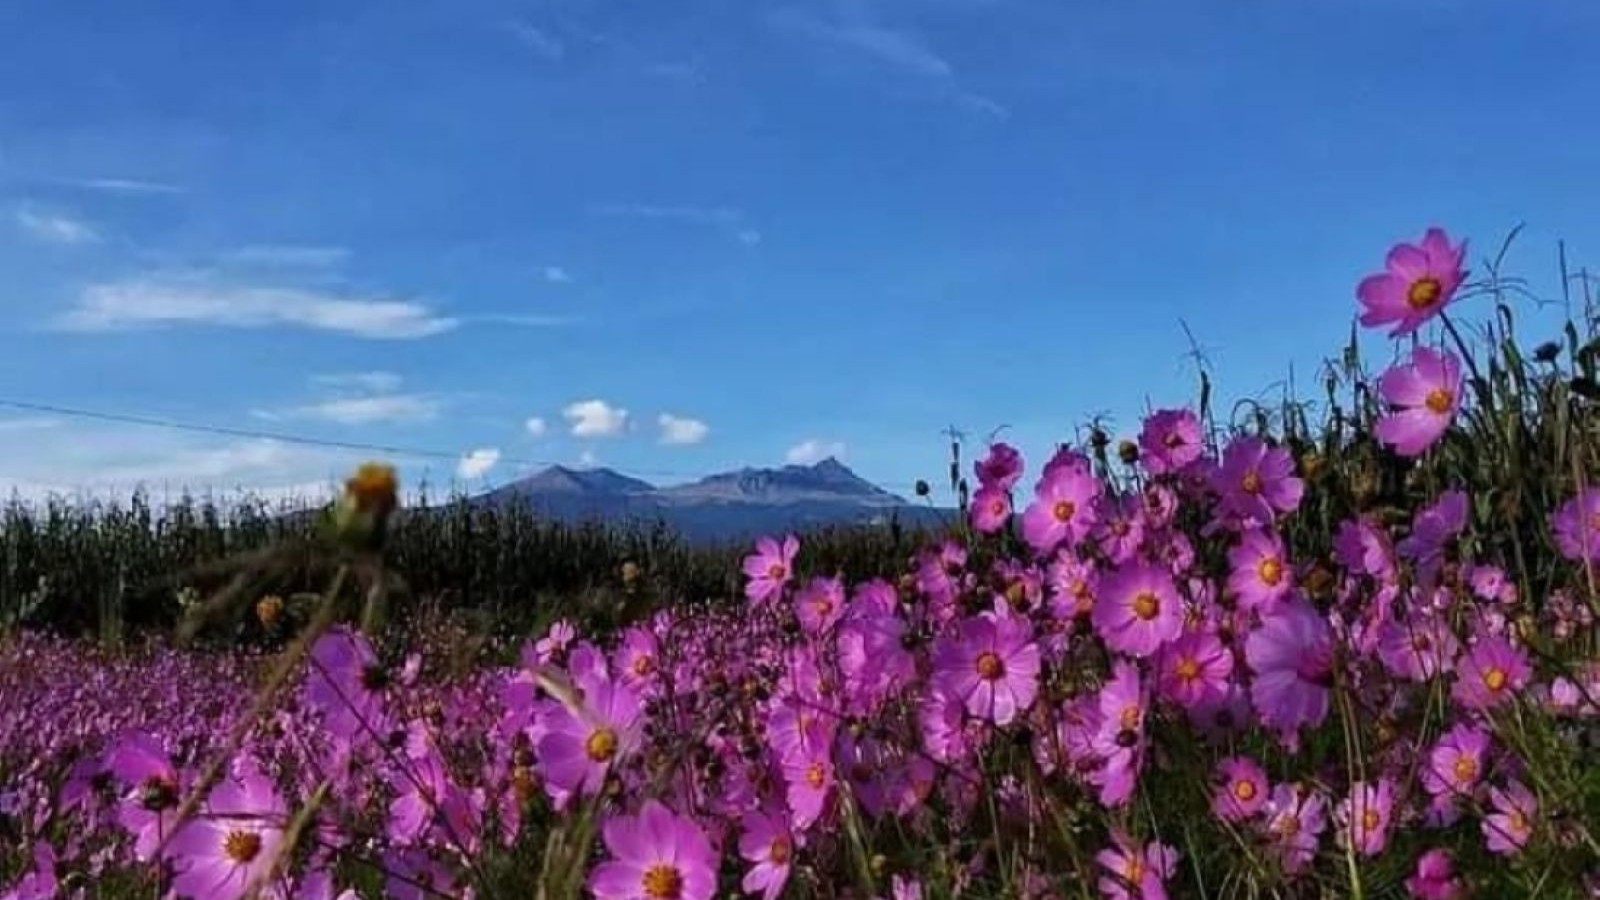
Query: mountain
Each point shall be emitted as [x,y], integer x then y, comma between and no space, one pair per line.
[728,506]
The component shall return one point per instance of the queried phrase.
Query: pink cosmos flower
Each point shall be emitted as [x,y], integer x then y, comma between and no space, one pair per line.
[150,788]
[580,744]
[1256,481]
[1120,531]
[349,684]
[1426,393]
[1421,279]
[991,664]
[639,658]
[1259,571]
[1365,817]
[1134,872]
[1417,647]
[1433,527]
[1001,469]
[1242,789]
[233,845]
[1576,526]
[770,567]
[809,777]
[1194,669]
[655,855]
[552,648]
[819,604]
[766,844]
[1363,547]
[1457,762]
[1293,819]
[1170,441]
[1511,824]
[991,509]
[1435,877]
[1138,609]
[1119,741]
[1063,509]
[1291,655]
[1490,673]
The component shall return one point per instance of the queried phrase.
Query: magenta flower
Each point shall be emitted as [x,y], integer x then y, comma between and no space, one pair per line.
[819,604]
[767,845]
[991,508]
[1421,279]
[1194,669]
[1457,762]
[1291,655]
[655,855]
[232,847]
[1134,872]
[809,780]
[1417,647]
[1138,609]
[1256,481]
[1259,572]
[1170,441]
[150,790]
[1242,789]
[770,567]
[1294,818]
[1063,509]
[991,665]
[1425,394]
[1365,817]
[1119,741]
[349,685]
[39,882]
[1490,673]
[579,745]
[1511,824]
[1576,526]
[1435,877]
[1363,547]
[1001,468]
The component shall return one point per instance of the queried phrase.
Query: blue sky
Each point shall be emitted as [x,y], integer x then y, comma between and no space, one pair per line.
[795,228]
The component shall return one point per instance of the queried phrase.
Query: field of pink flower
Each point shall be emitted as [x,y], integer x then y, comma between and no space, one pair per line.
[1355,660]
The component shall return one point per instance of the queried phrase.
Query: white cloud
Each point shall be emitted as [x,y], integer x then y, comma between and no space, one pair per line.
[153,302]
[367,410]
[121,185]
[28,423]
[287,255]
[588,460]
[749,237]
[557,275]
[539,41]
[677,430]
[54,228]
[898,49]
[595,418]
[477,463]
[365,382]
[813,451]
[536,426]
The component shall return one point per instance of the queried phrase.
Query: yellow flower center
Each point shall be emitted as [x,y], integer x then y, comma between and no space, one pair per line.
[241,846]
[1146,605]
[1370,820]
[1438,401]
[1188,669]
[373,487]
[1424,293]
[1495,678]
[780,851]
[1244,790]
[662,882]
[1251,482]
[990,666]
[1129,719]
[1518,822]
[1270,571]
[1465,769]
[601,745]
[1133,870]
[643,664]
[815,775]
[1063,510]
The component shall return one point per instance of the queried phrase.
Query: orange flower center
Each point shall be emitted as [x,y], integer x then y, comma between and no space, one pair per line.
[1251,482]
[1146,605]
[601,745]
[1173,440]
[1188,669]
[1244,790]
[1495,678]
[1270,571]
[644,664]
[822,606]
[241,846]
[780,851]
[1133,870]
[1465,769]
[1518,822]
[1370,820]
[990,666]
[997,506]
[1287,825]
[1063,510]
[815,775]
[777,571]
[1129,720]
[1438,401]
[1424,293]
[662,882]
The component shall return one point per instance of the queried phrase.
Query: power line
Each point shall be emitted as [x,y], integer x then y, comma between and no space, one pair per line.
[283,437]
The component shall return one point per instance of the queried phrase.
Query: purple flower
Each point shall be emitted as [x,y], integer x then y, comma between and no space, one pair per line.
[1257,482]
[1419,281]
[1426,394]
[1511,824]
[580,744]
[655,855]
[1242,789]
[767,845]
[1259,572]
[1291,655]
[1293,819]
[1138,609]
[1418,647]
[1170,441]
[1134,872]
[1490,673]
[1063,509]
[770,567]
[1576,526]
[1365,817]
[991,509]
[1457,762]
[1435,877]
[991,665]
[1194,669]
[1001,468]
[232,846]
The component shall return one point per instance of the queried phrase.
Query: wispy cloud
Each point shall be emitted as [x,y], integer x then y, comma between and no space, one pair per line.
[56,228]
[287,255]
[525,321]
[477,463]
[156,302]
[541,42]
[812,451]
[557,275]
[595,418]
[678,430]
[365,382]
[390,408]
[120,185]
[898,49]
[28,423]
[536,427]
[723,218]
